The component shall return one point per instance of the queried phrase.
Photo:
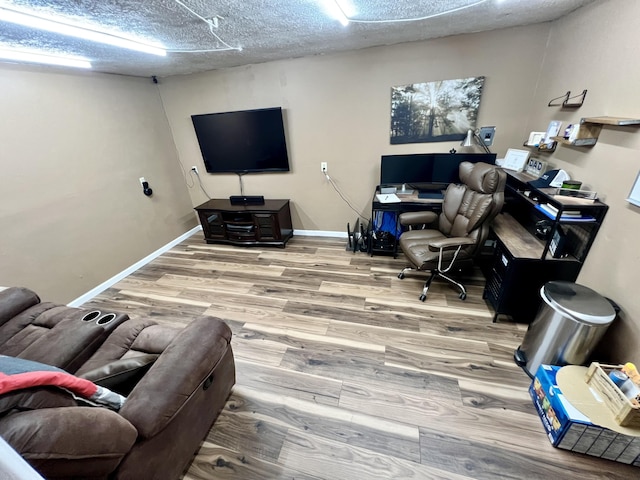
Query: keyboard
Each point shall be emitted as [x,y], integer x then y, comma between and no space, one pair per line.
[432,195]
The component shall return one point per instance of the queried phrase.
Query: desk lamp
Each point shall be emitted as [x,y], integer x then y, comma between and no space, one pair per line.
[483,140]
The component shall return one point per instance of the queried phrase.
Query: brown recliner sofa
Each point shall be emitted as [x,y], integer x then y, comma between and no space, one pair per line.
[176,381]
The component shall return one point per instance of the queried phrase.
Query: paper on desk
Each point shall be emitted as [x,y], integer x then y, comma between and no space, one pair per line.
[387,198]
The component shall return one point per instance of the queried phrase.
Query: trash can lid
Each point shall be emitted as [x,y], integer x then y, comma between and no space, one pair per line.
[579,302]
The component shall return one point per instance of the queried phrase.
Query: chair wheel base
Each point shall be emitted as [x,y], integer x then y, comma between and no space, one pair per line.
[463,296]
[423,298]
[401,276]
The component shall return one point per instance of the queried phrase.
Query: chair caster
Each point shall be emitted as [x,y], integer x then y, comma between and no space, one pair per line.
[401,275]
[423,298]
[463,296]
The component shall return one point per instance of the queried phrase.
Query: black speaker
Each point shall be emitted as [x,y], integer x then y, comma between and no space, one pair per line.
[246,200]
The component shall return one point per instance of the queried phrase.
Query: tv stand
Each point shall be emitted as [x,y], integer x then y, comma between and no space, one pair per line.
[264,225]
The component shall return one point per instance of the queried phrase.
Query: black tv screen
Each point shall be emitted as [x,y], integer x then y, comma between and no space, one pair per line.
[425,169]
[246,141]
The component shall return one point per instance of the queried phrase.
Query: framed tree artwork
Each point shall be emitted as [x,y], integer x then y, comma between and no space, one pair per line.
[439,111]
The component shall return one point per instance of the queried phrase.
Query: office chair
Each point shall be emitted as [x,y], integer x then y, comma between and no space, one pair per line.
[441,242]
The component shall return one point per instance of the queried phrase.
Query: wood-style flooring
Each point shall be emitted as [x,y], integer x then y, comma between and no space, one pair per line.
[342,373]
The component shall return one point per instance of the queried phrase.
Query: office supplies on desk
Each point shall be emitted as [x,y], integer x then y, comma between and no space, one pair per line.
[388,198]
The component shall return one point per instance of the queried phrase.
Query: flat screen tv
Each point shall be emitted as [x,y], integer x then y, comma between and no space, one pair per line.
[247,141]
[427,170]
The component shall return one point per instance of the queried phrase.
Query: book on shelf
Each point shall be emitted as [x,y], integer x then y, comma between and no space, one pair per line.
[570,216]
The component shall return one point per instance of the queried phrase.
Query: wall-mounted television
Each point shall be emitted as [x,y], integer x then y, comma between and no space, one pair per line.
[248,141]
[427,170]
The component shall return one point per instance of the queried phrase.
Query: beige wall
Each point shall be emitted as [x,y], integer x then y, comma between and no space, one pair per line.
[337,110]
[595,48]
[72,212]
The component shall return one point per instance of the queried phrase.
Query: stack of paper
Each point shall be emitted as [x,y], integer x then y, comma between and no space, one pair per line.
[387,198]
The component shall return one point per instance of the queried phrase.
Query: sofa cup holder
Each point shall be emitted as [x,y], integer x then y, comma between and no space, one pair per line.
[99,317]
[91,316]
[106,319]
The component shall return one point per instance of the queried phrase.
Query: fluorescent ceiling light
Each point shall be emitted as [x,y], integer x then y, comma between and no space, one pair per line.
[59,26]
[36,57]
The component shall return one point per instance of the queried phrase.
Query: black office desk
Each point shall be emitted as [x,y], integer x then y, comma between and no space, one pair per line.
[408,203]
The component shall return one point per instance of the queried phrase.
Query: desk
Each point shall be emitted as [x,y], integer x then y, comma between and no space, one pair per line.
[387,243]
[521,262]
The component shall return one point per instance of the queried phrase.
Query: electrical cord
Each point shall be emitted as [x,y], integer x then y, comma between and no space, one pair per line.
[335,187]
[212,23]
[416,19]
[200,183]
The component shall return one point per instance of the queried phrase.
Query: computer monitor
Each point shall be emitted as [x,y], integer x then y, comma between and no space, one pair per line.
[427,170]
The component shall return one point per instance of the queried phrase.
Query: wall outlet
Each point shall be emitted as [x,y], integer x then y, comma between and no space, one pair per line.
[142,180]
[323,167]
[195,170]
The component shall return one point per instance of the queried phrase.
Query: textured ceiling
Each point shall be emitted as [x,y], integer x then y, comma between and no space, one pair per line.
[264,29]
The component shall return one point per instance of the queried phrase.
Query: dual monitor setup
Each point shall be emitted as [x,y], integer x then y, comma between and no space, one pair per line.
[426,171]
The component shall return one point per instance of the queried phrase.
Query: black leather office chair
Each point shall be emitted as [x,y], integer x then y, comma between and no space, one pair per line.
[451,239]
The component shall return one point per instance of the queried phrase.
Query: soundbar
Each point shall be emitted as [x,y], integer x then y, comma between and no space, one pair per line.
[246,200]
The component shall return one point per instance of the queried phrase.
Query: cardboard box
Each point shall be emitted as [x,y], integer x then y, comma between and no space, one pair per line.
[568,428]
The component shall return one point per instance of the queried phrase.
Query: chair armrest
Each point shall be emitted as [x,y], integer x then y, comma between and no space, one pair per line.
[180,372]
[417,218]
[450,243]
[70,442]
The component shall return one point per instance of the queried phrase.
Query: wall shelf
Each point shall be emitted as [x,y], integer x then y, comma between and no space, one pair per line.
[542,148]
[618,121]
[590,128]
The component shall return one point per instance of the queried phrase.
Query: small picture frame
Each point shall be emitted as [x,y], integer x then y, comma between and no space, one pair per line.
[535,167]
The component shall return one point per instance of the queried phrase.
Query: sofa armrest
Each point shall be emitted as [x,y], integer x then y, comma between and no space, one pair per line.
[183,369]
[15,300]
[74,442]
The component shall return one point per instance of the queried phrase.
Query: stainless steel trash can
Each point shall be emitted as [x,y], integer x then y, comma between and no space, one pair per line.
[568,326]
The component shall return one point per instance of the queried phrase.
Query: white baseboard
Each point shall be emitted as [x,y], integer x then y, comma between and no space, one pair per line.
[141,263]
[320,233]
[128,271]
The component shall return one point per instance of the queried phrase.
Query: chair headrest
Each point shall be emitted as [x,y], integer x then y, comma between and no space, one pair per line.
[481,177]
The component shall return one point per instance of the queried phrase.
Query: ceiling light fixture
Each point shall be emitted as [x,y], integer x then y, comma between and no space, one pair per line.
[37,57]
[63,28]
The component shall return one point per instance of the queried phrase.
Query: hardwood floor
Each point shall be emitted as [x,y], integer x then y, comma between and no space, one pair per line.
[342,373]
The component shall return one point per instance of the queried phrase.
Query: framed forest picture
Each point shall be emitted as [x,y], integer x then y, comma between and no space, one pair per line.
[439,111]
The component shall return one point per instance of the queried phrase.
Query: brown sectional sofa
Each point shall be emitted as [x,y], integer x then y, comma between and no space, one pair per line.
[176,382]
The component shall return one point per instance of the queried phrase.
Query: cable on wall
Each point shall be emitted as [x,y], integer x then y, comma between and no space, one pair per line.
[335,187]
[200,183]
[213,24]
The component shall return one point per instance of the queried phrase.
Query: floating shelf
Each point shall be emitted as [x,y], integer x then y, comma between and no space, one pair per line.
[590,128]
[542,148]
[619,121]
